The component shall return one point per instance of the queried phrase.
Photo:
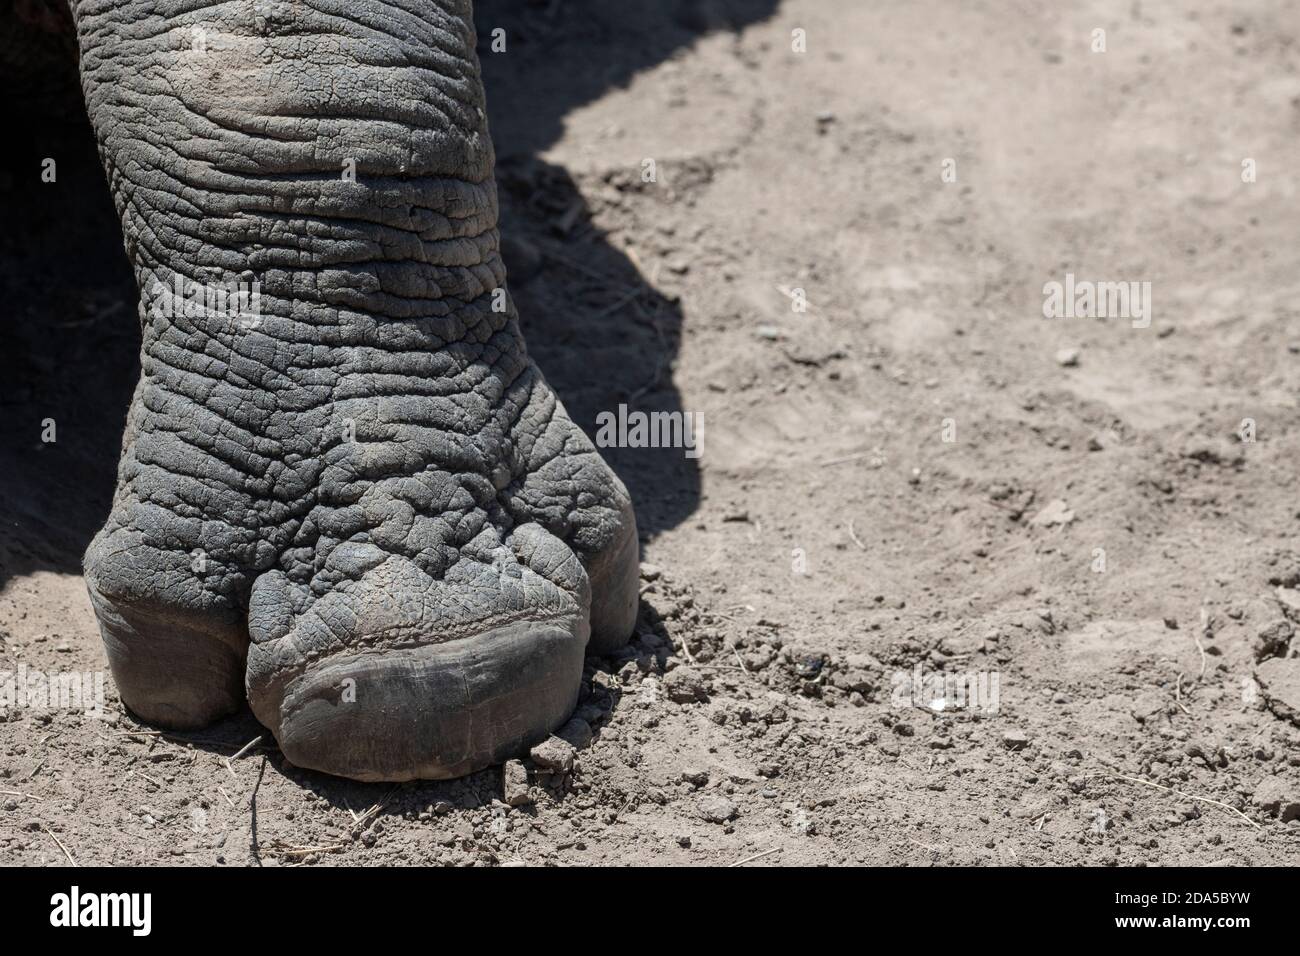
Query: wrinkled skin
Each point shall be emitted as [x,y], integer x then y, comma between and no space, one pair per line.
[363,509]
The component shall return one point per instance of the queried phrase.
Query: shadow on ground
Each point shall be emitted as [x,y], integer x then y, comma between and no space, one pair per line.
[599,329]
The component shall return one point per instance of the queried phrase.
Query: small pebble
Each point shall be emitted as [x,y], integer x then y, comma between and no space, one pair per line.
[1015,740]
[1067,358]
[716,808]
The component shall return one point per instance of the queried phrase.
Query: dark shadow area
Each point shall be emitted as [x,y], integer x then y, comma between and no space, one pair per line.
[563,54]
[69,360]
[599,329]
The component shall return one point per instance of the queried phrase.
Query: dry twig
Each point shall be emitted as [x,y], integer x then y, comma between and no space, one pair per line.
[756,856]
[60,843]
[1183,794]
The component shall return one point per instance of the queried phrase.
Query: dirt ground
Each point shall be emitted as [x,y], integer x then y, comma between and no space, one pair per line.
[1099,536]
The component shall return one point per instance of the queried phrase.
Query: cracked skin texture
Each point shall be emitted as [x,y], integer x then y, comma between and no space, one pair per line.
[364,510]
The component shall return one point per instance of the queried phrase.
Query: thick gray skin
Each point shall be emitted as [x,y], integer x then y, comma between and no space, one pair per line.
[413,603]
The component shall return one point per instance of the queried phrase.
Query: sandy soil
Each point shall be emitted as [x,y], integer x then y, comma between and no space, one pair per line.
[1098,537]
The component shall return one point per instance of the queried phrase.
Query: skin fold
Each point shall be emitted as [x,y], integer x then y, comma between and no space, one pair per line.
[352,500]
